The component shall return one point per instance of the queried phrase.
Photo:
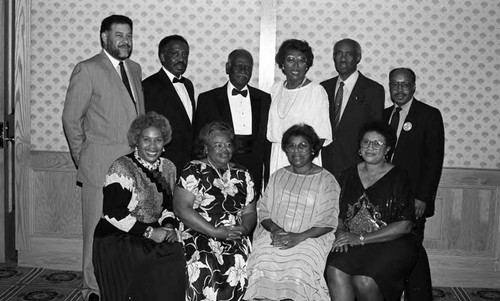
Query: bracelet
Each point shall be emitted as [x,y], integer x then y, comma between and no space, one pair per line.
[362,239]
[148,232]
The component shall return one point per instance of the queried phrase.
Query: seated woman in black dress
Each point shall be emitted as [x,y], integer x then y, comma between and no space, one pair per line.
[136,253]
[374,249]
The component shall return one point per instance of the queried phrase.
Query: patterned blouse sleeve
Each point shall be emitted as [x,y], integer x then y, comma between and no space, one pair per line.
[189,178]
[327,215]
[263,208]
[169,175]
[404,199]
[118,188]
[249,185]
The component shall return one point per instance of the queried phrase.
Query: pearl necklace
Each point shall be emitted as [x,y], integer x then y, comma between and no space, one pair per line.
[217,170]
[281,97]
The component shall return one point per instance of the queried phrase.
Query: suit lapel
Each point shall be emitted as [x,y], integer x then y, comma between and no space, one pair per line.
[225,107]
[118,85]
[405,135]
[172,96]
[353,102]
[256,115]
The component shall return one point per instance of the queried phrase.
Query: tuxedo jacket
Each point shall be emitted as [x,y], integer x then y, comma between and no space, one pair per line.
[420,150]
[213,105]
[97,114]
[160,96]
[365,104]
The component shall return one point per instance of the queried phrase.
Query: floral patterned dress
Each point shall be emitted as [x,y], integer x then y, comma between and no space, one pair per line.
[216,268]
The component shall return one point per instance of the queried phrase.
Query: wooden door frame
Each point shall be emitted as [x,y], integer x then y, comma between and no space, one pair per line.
[22,109]
[7,207]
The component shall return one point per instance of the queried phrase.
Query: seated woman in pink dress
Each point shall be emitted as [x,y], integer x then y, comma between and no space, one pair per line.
[298,217]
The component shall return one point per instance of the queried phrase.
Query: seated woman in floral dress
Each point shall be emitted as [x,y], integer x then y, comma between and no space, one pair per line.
[214,199]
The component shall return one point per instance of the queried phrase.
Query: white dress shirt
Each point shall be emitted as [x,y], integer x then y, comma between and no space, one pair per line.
[349,84]
[241,110]
[183,94]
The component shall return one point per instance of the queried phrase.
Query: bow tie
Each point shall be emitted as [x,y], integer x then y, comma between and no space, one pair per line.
[178,80]
[236,92]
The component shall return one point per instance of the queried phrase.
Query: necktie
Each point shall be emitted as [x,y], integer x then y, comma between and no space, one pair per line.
[395,119]
[125,80]
[236,92]
[394,124]
[337,104]
[178,80]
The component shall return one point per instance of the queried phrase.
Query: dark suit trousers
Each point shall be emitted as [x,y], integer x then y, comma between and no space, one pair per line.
[419,284]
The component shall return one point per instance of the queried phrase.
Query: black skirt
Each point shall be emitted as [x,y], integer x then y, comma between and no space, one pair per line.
[129,267]
[388,263]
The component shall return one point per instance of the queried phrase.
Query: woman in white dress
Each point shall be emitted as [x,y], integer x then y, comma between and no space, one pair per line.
[296,100]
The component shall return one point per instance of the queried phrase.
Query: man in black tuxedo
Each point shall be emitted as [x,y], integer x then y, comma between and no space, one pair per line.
[354,100]
[168,93]
[246,109]
[420,151]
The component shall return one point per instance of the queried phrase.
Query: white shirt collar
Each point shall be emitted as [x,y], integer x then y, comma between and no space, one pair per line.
[406,107]
[230,88]
[114,61]
[350,81]
[170,75]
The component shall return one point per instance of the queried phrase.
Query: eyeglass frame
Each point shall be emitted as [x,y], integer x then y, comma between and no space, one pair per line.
[290,60]
[375,144]
[404,85]
[302,147]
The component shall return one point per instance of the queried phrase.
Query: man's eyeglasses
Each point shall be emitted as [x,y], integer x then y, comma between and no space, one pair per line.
[301,147]
[404,85]
[376,145]
[292,59]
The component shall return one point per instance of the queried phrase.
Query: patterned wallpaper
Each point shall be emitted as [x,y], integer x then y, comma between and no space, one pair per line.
[453,46]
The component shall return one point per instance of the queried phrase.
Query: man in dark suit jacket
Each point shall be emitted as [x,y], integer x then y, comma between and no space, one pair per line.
[420,151]
[168,93]
[246,109]
[360,100]
[104,96]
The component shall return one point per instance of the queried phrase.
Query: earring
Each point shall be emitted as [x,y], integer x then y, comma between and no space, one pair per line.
[359,152]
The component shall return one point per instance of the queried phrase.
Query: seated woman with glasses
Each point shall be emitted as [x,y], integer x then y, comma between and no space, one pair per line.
[296,100]
[374,249]
[298,217]
[214,199]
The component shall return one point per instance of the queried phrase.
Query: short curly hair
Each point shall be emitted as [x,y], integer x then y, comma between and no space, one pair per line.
[379,127]
[204,135]
[145,121]
[294,44]
[302,130]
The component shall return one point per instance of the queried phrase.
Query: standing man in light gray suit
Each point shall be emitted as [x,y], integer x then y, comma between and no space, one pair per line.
[104,96]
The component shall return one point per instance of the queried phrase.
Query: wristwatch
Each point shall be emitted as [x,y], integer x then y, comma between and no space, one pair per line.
[148,232]
[362,239]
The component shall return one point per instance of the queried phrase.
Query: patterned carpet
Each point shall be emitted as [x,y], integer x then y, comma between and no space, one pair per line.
[21,283]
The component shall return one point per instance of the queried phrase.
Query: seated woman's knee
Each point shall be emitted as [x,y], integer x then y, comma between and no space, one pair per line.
[364,283]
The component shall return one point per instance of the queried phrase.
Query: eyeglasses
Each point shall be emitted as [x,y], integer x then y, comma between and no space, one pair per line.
[404,85]
[301,147]
[219,145]
[290,60]
[376,145]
